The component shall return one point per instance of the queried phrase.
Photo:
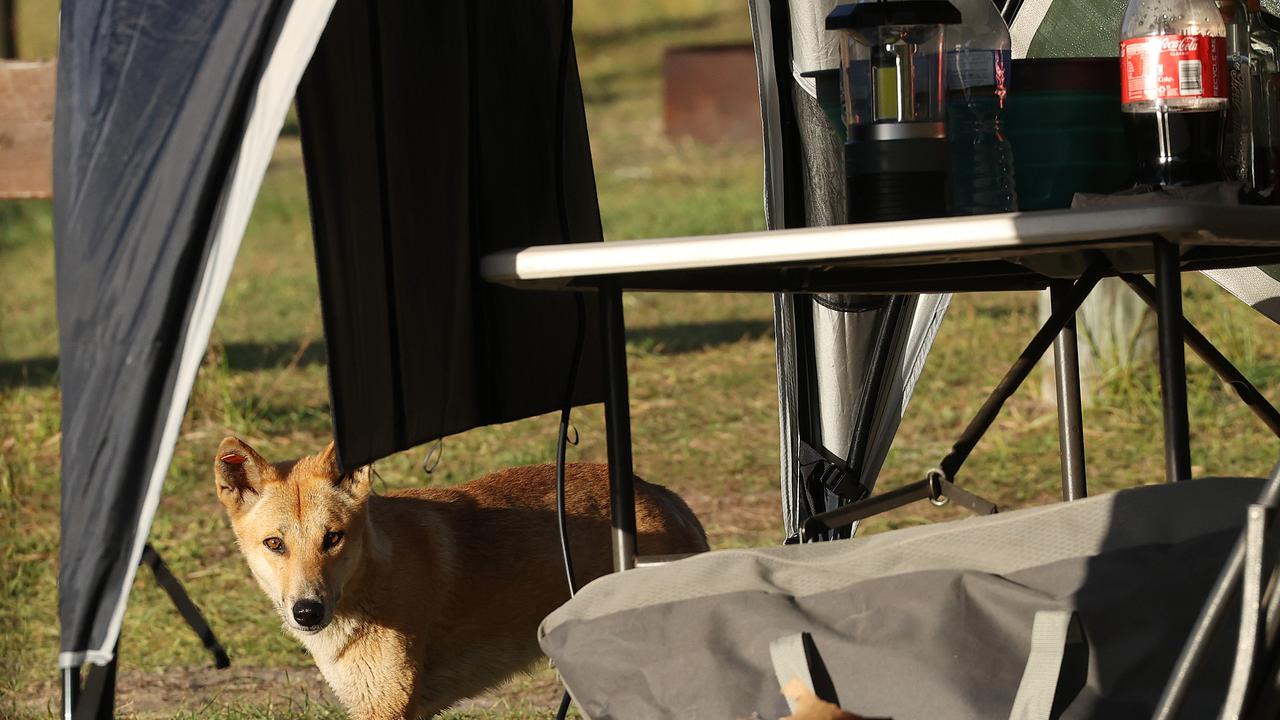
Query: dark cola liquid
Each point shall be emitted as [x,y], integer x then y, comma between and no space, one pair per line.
[1175,148]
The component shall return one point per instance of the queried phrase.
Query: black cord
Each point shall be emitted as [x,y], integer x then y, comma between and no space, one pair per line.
[562,74]
[562,439]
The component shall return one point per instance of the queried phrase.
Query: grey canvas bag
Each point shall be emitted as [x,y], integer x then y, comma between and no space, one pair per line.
[963,619]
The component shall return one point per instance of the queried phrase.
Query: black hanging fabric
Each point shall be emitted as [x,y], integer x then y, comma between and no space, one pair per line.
[430,137]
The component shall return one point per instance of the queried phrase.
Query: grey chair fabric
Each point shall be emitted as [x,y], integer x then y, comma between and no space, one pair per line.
[926,622]
[1258,287]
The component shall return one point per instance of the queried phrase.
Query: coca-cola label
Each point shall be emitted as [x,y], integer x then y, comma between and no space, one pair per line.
[1163,67]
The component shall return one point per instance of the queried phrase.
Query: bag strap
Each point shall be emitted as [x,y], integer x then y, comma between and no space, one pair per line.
[795,657]
[1051,633]
[790,662]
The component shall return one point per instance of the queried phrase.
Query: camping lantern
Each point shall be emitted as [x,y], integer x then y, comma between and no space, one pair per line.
[893,85]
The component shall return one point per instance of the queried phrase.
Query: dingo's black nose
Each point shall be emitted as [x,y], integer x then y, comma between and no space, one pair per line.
[308,613]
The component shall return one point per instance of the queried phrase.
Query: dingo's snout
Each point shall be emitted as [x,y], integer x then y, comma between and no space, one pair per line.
[309,614]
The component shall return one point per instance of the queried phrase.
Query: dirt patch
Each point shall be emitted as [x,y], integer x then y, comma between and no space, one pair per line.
[737,519]
[142,694]
[163,693]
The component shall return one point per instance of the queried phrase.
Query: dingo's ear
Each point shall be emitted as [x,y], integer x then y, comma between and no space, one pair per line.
[328,457]
[237,473]
[357,482]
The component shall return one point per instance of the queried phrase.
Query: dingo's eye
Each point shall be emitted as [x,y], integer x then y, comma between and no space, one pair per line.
[331,539]
[274,544]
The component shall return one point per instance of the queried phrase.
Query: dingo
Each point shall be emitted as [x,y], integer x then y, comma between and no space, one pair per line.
[413,600]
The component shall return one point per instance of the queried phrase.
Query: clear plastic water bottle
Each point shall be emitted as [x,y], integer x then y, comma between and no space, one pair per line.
[978,70]
[1237,141]
[1264,73]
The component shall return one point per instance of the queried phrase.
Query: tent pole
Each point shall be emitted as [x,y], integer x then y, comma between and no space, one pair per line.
[186,608]
[1066,370]
[70,692]
[882,349]
[1173,362]
[105,697]
[97,699]
[617,412]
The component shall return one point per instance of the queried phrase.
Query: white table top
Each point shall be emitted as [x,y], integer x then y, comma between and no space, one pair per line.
[1018,248]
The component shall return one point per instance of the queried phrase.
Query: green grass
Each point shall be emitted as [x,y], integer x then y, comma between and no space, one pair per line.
[702,379]
[37,28]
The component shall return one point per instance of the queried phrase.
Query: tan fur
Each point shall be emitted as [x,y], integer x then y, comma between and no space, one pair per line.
[433,594]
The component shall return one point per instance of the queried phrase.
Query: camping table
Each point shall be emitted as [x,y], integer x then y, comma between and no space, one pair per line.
[1014,251]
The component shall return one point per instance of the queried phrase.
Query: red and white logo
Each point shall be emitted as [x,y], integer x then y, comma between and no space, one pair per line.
[1173,66]
[1179,43]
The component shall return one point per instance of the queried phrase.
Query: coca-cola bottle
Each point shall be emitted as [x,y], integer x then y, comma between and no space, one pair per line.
[1174,89]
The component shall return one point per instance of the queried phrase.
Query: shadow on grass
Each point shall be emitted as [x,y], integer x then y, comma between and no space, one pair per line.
[28,372]
[692,337]
[265,356]
[248,357]
[42,371]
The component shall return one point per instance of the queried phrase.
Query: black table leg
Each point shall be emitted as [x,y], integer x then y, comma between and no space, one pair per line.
[1066,370]
[1173,363]
[1071,298]
[617,411]
[1216,361]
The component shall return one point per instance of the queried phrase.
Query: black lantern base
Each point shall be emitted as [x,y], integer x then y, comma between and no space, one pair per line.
[897,179]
